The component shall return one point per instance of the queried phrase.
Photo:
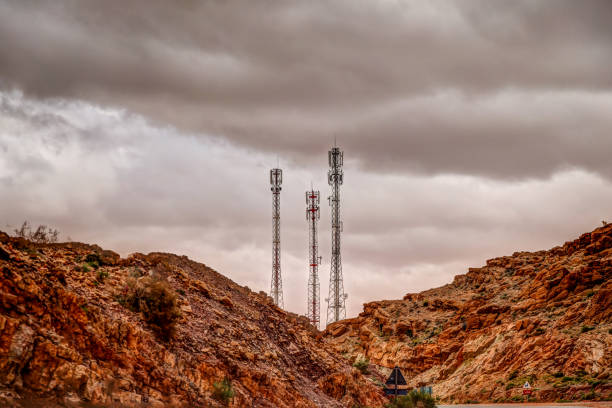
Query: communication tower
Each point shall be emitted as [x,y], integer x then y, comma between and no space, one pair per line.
[276,287]
[336,309]
[312,216]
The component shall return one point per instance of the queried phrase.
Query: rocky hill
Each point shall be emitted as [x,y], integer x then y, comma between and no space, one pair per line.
[543,317]
[79,326]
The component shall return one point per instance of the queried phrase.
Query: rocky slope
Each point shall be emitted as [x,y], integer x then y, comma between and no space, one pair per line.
[543,317]
[67,337]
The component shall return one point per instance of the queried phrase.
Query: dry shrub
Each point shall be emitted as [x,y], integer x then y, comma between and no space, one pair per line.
[42,234]
[414,399]
[157,302]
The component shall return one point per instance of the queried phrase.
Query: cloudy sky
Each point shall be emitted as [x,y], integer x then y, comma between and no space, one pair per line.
[471,129]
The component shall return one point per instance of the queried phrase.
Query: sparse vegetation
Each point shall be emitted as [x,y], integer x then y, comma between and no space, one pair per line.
[558,374]
[102,275]
[513,375]
[223,391]
[93,258]
[586,329]
[154,298]
[42,235]
[425,303]
[362,365]
[412,400]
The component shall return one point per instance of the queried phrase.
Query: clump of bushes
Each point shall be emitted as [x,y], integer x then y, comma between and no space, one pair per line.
[558,374]
[157,302]
[412,400]
[223,391]
[362,364]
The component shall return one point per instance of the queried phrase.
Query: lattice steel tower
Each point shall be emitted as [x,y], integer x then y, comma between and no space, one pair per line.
[276,287]
[336,309]
[312,216]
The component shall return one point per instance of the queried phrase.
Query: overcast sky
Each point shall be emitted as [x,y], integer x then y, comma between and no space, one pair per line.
[471,129]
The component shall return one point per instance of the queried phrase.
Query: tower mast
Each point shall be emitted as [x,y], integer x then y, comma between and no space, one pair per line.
[312,216]
[276,287]
[336,309]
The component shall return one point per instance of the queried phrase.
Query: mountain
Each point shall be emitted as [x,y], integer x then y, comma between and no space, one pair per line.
[80,326]
[540,317]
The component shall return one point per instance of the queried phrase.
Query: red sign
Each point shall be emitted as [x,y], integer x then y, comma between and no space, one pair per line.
[527,391]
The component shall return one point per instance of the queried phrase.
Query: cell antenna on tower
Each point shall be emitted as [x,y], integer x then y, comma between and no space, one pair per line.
[336,309]
[312,216]
[276,287]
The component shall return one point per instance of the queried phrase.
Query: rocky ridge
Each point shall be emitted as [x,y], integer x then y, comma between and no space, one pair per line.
[67,340]
[543,317]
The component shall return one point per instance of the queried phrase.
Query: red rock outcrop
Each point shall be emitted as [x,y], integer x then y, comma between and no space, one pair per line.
[66,339]
[543,317]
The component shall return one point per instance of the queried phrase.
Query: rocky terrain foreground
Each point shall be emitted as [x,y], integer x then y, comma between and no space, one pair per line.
[70,336]
[543,317]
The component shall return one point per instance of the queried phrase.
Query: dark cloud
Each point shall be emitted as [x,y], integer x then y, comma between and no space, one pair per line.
[476,87]
[107,176]
[471,129]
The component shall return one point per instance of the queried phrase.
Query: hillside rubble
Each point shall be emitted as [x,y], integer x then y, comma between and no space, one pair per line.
[68,339]
[543,317]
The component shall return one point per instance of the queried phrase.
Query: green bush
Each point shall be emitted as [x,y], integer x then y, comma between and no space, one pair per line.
[102,275]
[223,391]
[558,374]
[412,400]
[513,375]
[362,365]
[156,301]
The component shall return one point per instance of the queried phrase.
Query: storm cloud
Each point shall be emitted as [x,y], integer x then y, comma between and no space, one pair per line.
[471,129]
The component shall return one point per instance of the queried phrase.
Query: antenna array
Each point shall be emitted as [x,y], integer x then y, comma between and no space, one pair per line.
[336,309]
[312,216]
[276,287]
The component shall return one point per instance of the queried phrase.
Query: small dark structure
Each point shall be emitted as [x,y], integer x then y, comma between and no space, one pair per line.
[396,383]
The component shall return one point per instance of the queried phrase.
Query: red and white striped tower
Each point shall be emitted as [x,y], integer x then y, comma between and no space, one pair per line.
[312,216]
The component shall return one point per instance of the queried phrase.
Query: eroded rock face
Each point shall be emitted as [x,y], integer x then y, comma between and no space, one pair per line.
[545,317]
[65,339]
